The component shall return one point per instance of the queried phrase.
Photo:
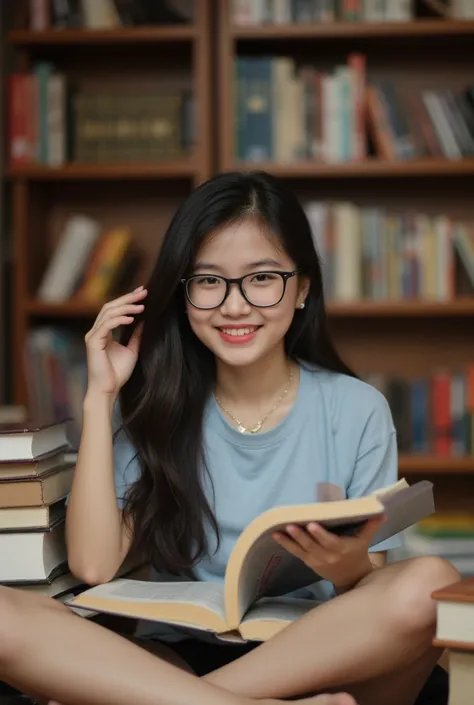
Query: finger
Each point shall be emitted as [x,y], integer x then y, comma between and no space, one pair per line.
[289,545]
[118,304]
[370,529]
[132,297]
[124,310]
[324,537]
[301,536]
[96,339]
[135,338]
[318,553]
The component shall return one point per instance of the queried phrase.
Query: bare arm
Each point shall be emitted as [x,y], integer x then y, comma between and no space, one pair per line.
[98,538]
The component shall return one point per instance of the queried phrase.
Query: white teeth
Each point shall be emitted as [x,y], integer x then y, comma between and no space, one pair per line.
[238,331]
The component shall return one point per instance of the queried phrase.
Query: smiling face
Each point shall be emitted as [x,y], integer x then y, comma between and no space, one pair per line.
[237,332]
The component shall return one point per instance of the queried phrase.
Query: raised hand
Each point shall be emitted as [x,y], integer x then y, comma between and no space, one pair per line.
[110,364]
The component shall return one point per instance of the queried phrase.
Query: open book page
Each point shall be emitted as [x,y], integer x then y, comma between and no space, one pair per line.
[190,603]
[259,567]
[270,615]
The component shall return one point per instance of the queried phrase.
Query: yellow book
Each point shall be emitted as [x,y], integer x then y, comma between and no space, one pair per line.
[104,264]
[253,602]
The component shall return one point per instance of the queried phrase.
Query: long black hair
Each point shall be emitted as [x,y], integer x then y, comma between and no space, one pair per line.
[162,405]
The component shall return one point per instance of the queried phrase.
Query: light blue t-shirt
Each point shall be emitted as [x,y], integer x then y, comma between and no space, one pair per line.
[339,430]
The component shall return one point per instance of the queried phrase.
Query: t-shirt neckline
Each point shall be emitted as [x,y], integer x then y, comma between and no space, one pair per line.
[274,435]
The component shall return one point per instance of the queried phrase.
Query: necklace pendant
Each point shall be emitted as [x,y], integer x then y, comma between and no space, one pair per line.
[256,428]
[241,428]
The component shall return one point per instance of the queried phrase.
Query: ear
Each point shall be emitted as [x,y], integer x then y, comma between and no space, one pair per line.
[304,284]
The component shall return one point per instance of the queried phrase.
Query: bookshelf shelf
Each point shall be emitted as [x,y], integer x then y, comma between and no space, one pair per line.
[135,35]
[109,59]
[436,464]
[361,309]
[366,169]
[183,168]
[353,30]
[402,309]
[68,309]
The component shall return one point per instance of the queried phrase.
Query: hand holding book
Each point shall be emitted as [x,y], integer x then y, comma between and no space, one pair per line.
[342,560]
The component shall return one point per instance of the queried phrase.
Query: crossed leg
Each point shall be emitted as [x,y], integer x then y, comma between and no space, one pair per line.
[374,642]
[48,651]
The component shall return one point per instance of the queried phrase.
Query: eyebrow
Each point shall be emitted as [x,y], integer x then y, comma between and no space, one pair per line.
[208,266]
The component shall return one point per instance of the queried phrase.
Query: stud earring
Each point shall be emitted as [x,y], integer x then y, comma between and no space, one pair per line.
[302,304]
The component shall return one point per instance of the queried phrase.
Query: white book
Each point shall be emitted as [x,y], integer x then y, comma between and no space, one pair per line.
[100,14]
[69,258]
[33,556]
[28,442]
[347,265]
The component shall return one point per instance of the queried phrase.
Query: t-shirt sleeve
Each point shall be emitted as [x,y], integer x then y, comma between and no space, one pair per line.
[377,461]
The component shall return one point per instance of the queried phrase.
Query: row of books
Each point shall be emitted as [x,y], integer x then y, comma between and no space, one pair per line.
[371,253]
[449,535]
[104,14]
[88,262]
[56,375]
[433,414]
[255,12]
[287,112]
[52,121]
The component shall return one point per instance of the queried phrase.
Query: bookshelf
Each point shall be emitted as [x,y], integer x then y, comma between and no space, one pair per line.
[397,336]
[408,337]
[143,195]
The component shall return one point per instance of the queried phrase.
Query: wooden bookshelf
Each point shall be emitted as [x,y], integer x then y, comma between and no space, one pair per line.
[366,169]
[136,35]
[188,167]
[434,465]
[353,30]
[407,338]
[462,307]
[143,195]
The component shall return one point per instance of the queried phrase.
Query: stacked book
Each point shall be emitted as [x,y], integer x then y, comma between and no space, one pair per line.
[455,633]
[35,477]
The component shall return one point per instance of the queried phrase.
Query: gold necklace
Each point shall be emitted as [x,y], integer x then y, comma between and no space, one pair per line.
[256,428]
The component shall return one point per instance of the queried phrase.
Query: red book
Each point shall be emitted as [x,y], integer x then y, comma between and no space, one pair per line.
[441,413]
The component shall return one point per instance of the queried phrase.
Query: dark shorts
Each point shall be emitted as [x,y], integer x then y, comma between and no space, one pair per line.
[205,657]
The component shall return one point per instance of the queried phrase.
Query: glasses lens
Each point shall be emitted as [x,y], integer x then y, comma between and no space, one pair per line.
[206,292]
[263,288]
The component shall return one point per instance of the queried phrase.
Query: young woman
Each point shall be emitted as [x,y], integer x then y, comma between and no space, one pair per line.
[231,399]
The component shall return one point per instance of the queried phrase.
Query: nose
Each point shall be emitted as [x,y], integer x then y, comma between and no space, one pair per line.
[235,303]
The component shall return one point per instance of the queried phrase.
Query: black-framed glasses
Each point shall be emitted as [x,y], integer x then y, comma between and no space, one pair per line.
[261,289]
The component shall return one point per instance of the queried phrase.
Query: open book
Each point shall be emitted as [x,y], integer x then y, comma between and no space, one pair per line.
[260,574]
